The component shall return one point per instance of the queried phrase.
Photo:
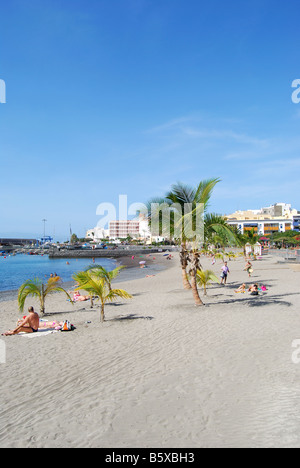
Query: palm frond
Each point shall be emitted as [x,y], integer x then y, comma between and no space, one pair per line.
[181,193]
[115,293]
[204,191]
[31,288]
[206,276]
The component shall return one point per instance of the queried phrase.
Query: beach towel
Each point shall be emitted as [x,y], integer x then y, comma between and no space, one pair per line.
[40,333]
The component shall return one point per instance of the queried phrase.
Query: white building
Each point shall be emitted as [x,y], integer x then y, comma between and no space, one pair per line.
[137,228]
[266,221]
[97,234]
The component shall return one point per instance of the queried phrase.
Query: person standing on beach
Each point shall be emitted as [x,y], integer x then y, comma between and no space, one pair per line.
[29,325]
[248,268]
[225,272]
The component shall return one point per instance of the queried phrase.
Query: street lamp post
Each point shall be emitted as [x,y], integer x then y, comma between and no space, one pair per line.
[44,221]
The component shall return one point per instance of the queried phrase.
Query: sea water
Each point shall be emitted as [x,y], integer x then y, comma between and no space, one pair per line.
[15,270]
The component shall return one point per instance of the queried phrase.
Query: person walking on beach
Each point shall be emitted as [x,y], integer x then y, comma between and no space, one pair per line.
[29,325]
[225,272]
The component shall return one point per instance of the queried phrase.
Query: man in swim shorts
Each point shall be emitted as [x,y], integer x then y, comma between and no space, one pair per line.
[29,325]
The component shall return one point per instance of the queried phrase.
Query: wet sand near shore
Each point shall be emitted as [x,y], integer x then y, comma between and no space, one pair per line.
[160,372]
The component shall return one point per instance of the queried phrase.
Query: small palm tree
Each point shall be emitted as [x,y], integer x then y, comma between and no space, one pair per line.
[231,255]
[109,276]
[220,255]
[36,288]
[97,285]
[205,277]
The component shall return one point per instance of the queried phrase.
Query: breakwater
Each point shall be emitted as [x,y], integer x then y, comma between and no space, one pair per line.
[105,253]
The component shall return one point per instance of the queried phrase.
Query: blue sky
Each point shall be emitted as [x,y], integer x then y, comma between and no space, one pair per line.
[109,97]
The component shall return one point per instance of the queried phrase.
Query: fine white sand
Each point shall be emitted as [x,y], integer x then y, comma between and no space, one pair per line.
[160,372]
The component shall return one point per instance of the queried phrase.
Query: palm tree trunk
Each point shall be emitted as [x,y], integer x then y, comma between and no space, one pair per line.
[195,266]
[184,259]
[185,280]
[42,299]
[197,299]
[102,313]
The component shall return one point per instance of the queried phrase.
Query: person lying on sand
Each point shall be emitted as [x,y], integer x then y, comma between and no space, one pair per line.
[241,289]
[256,287]
[54,324]
[253,289]
[77,297]
[29,325]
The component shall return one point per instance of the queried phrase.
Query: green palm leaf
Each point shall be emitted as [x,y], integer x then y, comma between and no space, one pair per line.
[96,282]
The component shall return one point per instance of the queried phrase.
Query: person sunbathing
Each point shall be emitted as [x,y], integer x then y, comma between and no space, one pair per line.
[53,325]
[44,324]
[77,297]
[29,325]
[253,289]
[241,289]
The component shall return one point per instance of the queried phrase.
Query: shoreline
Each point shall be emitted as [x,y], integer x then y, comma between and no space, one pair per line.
[131,271]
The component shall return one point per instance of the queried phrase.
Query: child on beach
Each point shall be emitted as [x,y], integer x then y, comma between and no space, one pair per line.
[224,274]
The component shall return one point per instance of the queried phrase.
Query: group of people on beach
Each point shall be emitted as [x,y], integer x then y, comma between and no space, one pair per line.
[253,289]
[31,323]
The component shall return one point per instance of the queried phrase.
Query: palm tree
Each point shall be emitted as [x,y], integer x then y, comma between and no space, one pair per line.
[36,288]
[109,276]
[204,278]
[194,203]
[186,201]
[217,231]
[185,205]
[97,285]
[195,266]
[220,255]
[249,237]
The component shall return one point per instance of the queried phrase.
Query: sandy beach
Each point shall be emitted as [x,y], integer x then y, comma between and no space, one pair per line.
[160,372]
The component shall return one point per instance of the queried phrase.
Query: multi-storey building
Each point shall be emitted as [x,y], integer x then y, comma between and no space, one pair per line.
[123,229]
[267,221]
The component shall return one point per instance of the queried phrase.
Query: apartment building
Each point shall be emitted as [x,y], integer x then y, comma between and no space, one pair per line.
[266,221]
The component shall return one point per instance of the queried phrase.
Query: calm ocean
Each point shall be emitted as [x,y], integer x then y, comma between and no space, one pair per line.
[15,270]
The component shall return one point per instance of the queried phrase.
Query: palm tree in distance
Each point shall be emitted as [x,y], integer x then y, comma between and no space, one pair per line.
[97,285]
[36,288]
